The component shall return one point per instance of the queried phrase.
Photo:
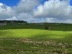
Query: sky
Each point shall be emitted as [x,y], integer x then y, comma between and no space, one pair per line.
[57,11]
[10,2]
[71,2]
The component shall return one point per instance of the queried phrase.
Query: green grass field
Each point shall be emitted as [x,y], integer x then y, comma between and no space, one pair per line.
[33,39]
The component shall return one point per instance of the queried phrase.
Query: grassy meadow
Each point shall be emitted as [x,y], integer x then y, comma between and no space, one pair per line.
[34,39]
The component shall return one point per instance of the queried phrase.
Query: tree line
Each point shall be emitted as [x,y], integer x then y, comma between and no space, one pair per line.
[12,21]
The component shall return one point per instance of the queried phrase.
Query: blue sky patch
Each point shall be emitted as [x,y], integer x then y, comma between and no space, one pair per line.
[10,2]
[42,1]
[15,2]
[71,2]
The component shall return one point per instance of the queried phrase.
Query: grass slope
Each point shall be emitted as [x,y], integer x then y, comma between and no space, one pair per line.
[22,39]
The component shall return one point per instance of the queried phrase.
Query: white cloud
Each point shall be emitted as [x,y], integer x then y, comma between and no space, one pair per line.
[27,5]
[23,11]
[54,8]
[12,18]
[32,11]
[57,20]
[6,11]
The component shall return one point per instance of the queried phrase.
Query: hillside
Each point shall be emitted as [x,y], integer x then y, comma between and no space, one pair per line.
[33,38]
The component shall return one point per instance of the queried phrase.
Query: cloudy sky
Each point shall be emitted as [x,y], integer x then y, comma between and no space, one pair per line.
[57,11]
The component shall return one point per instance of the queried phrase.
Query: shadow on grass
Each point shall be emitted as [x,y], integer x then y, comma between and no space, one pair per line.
[2,33]
[67,38]
[44,37]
